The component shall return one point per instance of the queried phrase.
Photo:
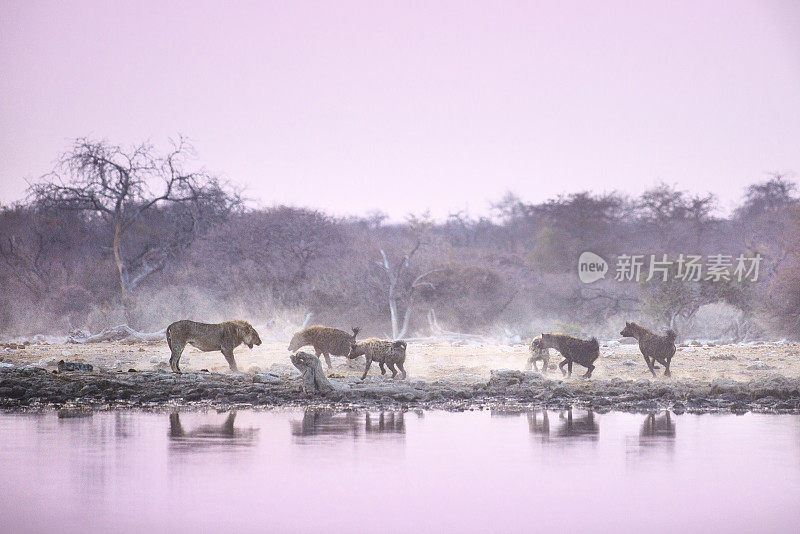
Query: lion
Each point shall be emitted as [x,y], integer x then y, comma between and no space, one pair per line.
[210,337]
[326,340]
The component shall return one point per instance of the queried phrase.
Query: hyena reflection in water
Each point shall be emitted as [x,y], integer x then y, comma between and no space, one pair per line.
[539,423]
[584,426]
[326,422]
[655,426]
[387,422]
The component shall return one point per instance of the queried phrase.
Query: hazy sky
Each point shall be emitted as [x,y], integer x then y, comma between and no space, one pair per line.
[400,106]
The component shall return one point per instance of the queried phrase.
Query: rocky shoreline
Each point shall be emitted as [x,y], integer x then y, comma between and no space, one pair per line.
[28,388]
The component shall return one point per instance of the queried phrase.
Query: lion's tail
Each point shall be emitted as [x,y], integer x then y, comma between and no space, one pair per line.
[169,336]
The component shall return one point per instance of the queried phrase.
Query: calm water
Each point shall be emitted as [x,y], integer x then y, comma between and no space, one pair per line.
[296,471]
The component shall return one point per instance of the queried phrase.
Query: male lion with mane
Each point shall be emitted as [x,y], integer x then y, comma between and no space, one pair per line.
[209,337]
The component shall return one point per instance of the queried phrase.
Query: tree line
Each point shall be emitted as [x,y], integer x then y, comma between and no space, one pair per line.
[131,235]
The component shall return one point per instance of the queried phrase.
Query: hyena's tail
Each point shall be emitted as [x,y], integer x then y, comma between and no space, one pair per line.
[671,335]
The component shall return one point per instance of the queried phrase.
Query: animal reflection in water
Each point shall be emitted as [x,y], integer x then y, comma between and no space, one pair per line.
[322,422]
[657,426]
[584,426]
[539,423]
[210,434]
[657,434]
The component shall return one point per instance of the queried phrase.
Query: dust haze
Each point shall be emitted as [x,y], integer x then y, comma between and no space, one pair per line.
[143,236]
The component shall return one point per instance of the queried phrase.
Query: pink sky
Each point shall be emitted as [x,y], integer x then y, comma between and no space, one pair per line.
[402,106]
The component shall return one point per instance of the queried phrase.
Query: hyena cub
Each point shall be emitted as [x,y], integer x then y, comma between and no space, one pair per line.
[390,353]
[573,349]
[653,347]
[538,353]
[325,340]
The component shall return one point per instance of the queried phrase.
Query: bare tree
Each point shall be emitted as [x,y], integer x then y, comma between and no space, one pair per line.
[768,197]
[609,302]
[666,204]
[402,287]
[26,259]
[769,214]
[302,236]
[114,184]
[34,246]
[583,214]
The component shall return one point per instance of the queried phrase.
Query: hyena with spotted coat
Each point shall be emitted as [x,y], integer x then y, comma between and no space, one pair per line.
[326,340]
[573,349]
[654,348]
[390,353]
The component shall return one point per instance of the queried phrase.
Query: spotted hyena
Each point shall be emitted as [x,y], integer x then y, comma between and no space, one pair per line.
[654,348]
[325,340]
[390,353]
[573,349]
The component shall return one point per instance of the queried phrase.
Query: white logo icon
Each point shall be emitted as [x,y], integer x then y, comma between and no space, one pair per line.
[591,267]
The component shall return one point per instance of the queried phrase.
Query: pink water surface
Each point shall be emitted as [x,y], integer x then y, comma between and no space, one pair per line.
[483,471]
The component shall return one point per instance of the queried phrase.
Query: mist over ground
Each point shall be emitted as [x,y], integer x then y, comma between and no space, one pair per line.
[77,254]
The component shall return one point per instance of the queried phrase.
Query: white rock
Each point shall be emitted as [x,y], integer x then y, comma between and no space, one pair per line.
[66,353]
[266,378]
[283,369]
[156,359]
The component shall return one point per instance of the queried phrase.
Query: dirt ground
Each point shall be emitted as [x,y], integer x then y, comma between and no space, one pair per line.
[459,362]
[708,377]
